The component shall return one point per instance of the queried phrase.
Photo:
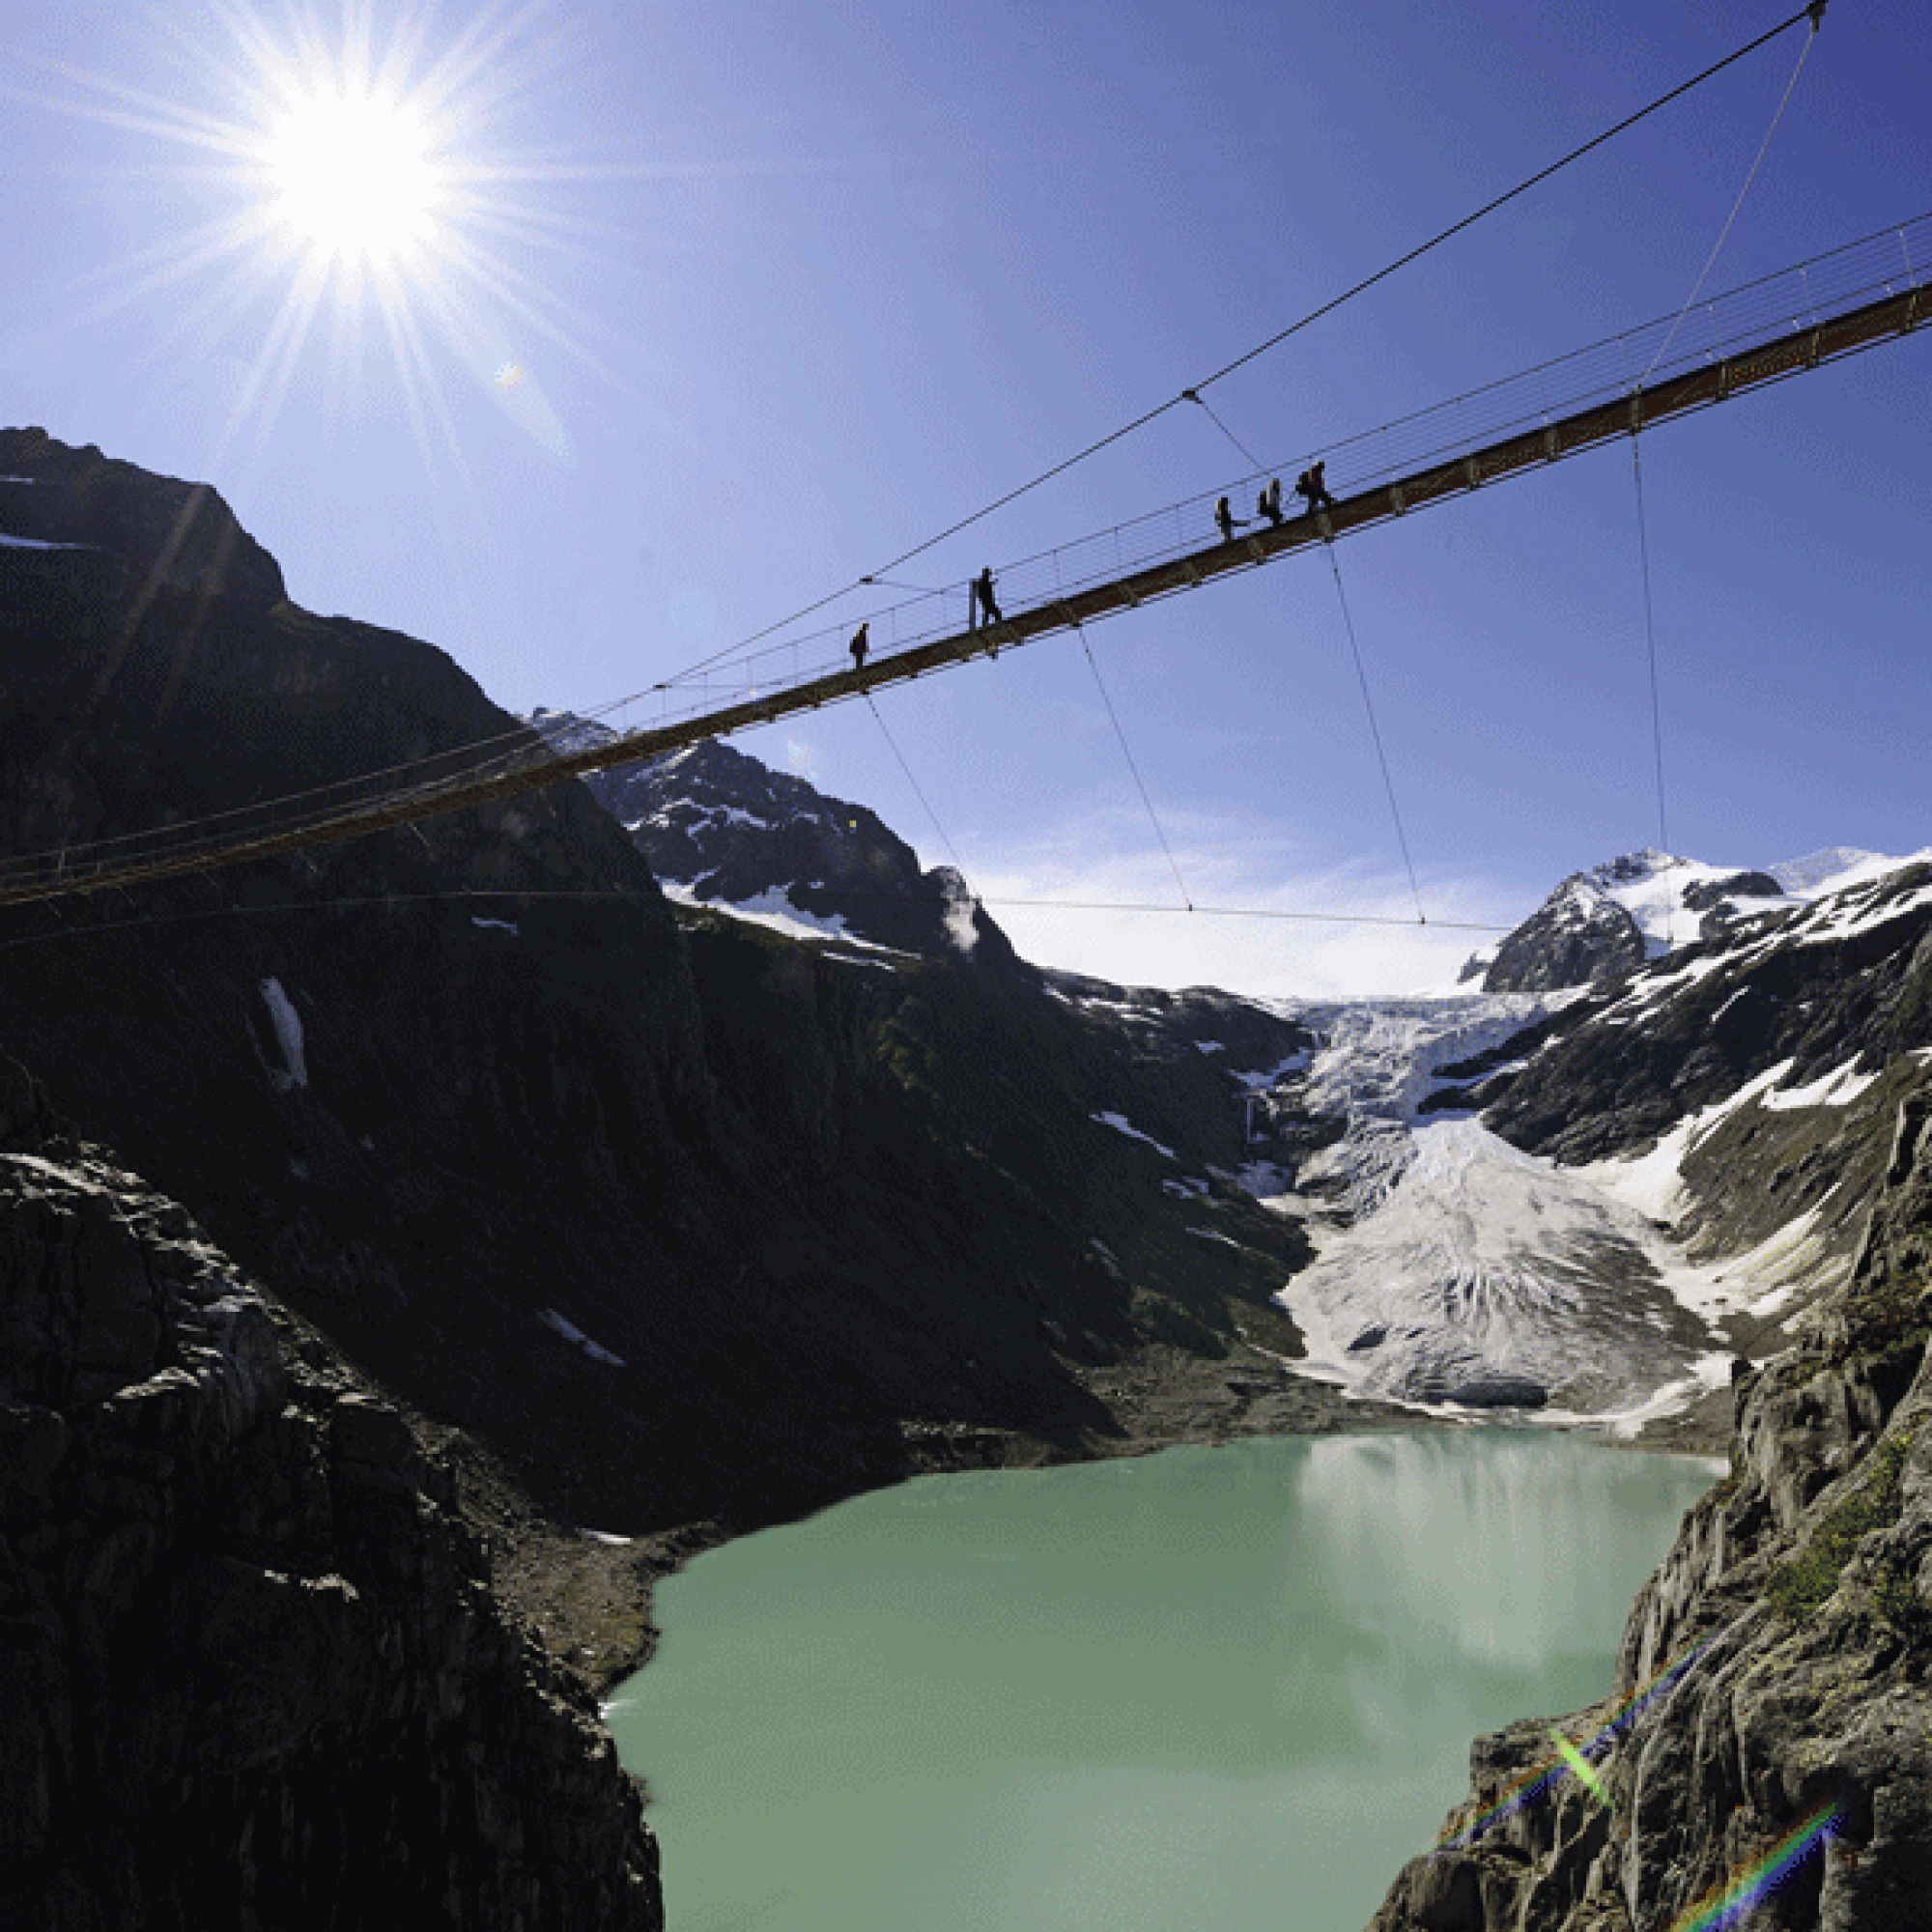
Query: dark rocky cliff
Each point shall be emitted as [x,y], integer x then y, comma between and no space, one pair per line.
[250,1674]
[1801,1587]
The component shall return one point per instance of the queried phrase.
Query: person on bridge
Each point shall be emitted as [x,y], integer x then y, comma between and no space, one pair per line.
[982,599]
[859,646]
[1228,520]
[1310,484]
[1269,502]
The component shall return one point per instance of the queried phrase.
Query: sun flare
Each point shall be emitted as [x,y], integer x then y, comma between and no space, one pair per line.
[352,177]
[353,163]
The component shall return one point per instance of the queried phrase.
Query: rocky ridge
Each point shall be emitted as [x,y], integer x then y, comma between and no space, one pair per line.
[722,827]
[247,1652]
[1605,922]
[648,1221]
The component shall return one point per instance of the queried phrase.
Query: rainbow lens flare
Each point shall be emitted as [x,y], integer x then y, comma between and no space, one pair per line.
[1581,1764]
[1741,1893]
[1573,1758]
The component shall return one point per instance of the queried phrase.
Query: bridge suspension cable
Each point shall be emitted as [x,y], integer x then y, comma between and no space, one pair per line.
[1814,11]
[1755,314]
[1127,752]
[1375,733]
[1848,301]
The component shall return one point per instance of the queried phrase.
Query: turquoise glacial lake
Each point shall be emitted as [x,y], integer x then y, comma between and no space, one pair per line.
[1220,1688]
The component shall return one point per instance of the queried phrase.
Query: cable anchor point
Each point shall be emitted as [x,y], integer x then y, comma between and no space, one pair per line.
[1817,11]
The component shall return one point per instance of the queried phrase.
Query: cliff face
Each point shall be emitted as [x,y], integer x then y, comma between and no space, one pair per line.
[1791,1629]
[249,1671]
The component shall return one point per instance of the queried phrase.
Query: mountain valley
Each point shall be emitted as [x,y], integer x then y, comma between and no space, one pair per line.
[420,1244]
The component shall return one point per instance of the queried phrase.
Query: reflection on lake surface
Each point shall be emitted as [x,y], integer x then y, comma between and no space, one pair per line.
[1216,1688]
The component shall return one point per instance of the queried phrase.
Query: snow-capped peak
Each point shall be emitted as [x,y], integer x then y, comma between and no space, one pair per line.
[1602,922]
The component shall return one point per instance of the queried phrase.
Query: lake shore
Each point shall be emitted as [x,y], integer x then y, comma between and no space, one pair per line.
[588,1589]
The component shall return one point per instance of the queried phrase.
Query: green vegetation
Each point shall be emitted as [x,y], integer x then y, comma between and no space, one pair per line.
[1890,1317]
[1799,1586]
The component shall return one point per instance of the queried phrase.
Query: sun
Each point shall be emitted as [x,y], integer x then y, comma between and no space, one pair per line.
[355,172]
[350,176]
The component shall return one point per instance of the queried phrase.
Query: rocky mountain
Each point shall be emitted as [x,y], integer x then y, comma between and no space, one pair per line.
[718,827]
[432,1198]
[1763,1093]
[1600,924]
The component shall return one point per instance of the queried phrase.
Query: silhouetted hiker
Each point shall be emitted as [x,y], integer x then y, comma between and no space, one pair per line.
[1309,484]
[859,646]
[1269,502]
[982,598]
[1228,520]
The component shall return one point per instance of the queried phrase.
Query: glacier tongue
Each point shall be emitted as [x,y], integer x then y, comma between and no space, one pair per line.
[1456,1269]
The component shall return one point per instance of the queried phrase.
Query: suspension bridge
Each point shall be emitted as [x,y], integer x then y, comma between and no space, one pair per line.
[1835,305]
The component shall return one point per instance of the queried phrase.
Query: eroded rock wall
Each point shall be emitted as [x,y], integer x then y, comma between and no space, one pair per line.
[249,1672]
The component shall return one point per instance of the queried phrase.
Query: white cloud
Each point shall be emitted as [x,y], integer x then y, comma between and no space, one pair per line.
[1367,940]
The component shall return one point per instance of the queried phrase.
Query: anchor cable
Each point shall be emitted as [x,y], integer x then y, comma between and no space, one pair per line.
[1375,731]
[922,799]
[1153,818]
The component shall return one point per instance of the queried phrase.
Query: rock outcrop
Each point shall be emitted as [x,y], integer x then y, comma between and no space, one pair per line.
[730,830]
[1774,1690]
[1577,938]
[173,539]
[250,1674]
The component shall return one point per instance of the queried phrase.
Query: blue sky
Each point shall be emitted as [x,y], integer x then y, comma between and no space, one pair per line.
[760,295]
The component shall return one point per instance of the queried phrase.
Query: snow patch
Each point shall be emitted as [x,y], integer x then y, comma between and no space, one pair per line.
[572,1333]
[1819,874]
[1836,1089]
[774,910]
[1860,909]
[34,543]
[1122,1126]
[1260,1079]
[288,1035]
[1653,1184]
